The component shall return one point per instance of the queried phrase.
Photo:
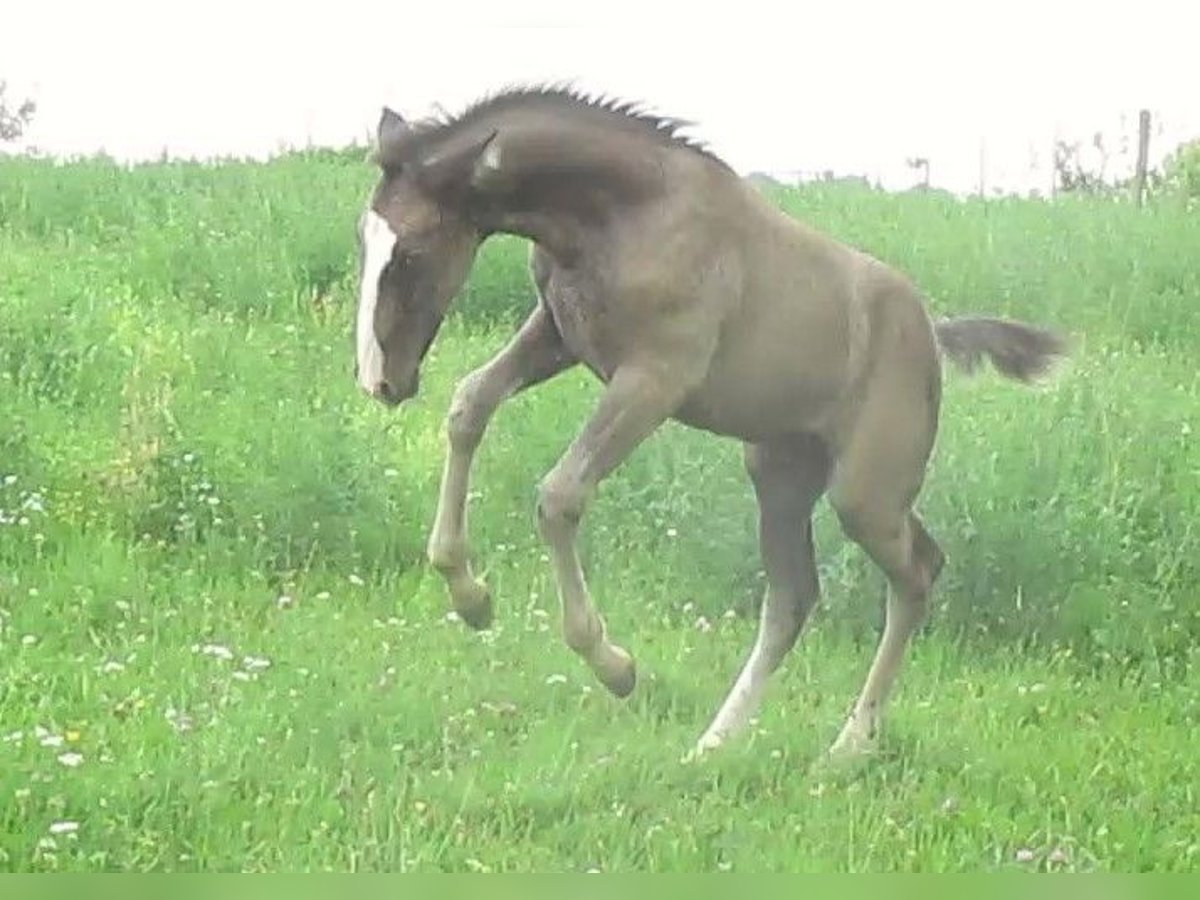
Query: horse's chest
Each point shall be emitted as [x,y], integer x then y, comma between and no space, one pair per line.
[589,328]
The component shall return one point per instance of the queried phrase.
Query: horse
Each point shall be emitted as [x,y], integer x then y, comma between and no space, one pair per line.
[691,297]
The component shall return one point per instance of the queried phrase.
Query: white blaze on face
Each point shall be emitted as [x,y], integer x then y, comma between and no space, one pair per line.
[378,241]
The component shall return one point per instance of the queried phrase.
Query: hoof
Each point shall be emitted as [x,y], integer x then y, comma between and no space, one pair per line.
[474,606]
[708,744]
[618,673]
[857,741]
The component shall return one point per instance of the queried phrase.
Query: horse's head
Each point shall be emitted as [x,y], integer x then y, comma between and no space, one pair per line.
[417,244]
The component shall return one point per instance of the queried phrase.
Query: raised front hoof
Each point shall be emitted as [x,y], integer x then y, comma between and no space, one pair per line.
[474,605]
[618,672]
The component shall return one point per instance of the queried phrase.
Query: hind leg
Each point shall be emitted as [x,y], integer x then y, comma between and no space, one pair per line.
[874,485]
[788,479]
[912,560]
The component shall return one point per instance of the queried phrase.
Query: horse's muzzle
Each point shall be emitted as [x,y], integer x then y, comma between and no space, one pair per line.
[390,394]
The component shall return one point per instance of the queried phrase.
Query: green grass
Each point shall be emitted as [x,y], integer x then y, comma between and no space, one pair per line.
[220,648]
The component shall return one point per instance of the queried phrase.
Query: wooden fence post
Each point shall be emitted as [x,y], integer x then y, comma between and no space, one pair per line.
[1139,178]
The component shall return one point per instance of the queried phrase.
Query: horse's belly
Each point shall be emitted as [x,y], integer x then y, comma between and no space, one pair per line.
[758,396]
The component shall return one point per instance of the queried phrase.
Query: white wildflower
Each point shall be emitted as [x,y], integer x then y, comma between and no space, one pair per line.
[181,721]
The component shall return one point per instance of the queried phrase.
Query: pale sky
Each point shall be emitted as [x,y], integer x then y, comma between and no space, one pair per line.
[848,85]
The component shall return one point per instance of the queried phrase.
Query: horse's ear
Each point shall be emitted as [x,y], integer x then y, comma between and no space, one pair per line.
[390,129]
[474,166]
[489,172]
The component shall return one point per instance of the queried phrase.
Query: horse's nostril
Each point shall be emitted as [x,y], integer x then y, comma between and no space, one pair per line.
[387,392]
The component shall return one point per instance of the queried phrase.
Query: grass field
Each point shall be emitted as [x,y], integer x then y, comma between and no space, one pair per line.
[220,647]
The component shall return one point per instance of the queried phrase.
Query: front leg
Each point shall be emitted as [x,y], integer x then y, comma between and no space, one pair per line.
[535,354]
[637,400]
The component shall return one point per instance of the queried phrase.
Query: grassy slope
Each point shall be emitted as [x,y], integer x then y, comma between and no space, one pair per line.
[181,446]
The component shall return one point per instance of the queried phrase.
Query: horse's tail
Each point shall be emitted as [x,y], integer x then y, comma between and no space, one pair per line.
[1017,349]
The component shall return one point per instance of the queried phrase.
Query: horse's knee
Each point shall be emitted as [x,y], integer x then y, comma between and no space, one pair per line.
[560,502]
[468,415]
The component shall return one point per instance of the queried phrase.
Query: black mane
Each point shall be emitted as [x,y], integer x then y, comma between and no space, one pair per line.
[565,100]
